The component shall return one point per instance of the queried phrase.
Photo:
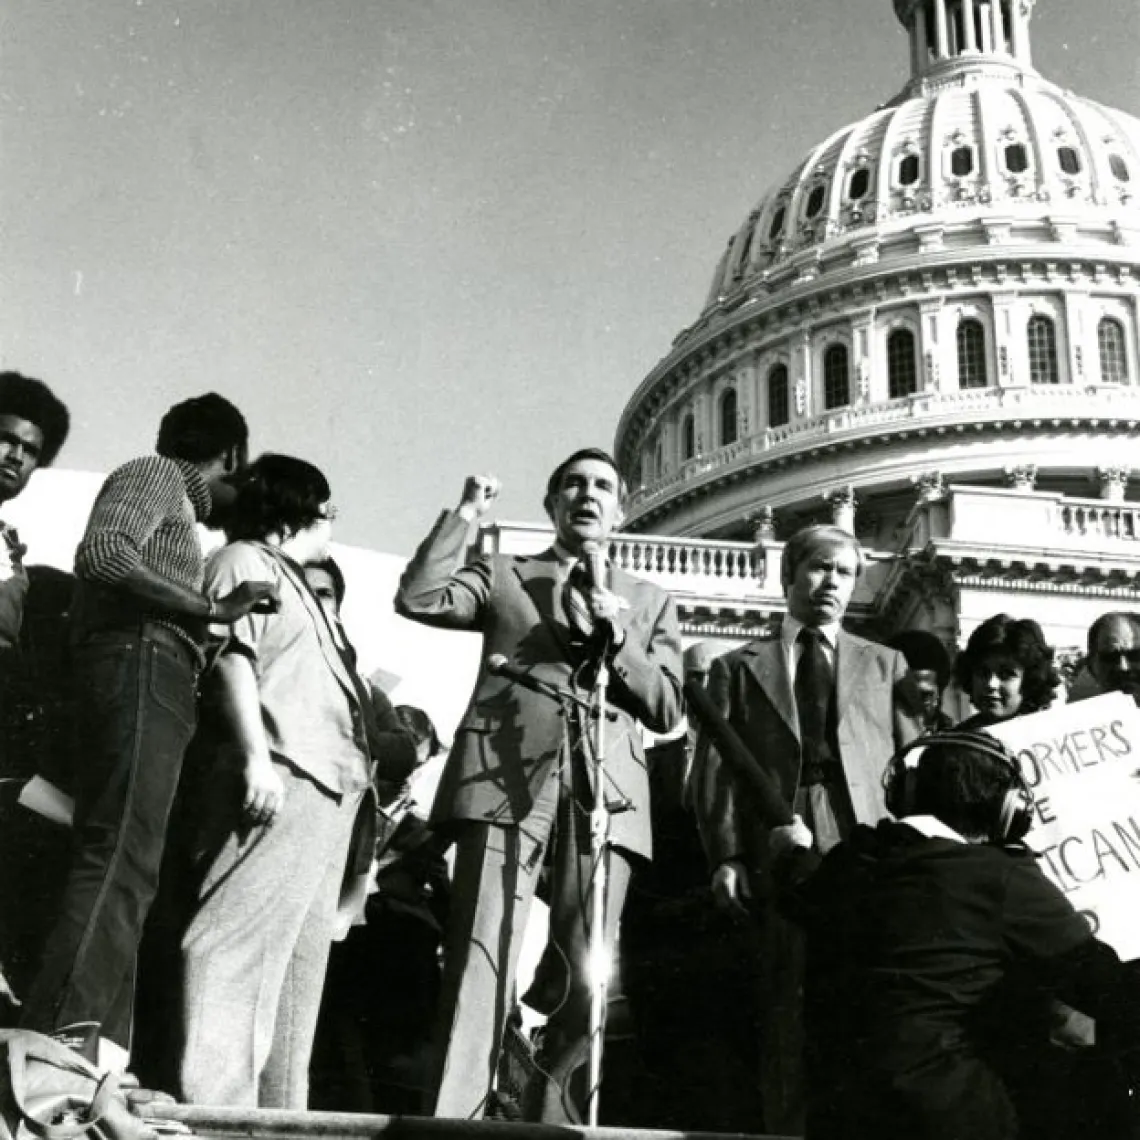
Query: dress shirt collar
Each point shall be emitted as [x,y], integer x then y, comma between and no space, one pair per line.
[790,629]
[933,828]
[566,557]
[197,490]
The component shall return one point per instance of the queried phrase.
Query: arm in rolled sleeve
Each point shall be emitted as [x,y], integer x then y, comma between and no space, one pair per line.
[435,589]
[648,676]
[132,504]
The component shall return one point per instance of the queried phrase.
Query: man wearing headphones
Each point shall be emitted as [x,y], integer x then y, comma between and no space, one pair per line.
[915,929]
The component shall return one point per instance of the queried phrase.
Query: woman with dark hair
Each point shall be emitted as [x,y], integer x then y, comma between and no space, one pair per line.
[1006,670]
[914,929]
[292,766]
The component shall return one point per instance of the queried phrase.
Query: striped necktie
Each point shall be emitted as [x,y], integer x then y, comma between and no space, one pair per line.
[578,615]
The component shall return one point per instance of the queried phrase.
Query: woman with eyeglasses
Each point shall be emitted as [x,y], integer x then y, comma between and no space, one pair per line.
[290,770]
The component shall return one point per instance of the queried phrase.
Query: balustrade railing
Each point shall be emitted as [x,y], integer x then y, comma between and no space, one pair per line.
[1116,401]
[1100,520]
[692,559]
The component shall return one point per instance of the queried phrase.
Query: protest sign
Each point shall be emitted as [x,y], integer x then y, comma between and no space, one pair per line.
[1082,763]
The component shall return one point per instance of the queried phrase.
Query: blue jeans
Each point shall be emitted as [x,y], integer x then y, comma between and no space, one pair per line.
[135,713]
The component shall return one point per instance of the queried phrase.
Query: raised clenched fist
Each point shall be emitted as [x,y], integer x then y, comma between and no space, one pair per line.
[479,492]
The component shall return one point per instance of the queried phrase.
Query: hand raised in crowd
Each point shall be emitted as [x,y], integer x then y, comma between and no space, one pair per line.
[479,492]
[247,597]
[264,790]
[731,888]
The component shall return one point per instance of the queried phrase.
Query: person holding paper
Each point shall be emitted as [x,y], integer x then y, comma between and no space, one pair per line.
[913,930]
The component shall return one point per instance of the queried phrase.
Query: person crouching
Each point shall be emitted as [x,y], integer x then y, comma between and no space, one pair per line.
[914,929]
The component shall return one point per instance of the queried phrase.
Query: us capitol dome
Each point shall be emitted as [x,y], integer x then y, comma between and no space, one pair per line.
[927,332]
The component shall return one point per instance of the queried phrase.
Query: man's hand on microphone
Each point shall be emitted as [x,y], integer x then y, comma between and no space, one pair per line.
[479,492]
[605,609]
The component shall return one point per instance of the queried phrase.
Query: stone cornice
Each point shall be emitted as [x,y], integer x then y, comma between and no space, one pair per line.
[944,566]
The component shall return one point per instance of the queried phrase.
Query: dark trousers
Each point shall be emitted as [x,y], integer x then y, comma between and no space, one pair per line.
[135,714]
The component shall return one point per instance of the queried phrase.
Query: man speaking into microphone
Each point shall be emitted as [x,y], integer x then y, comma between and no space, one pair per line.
[519,783]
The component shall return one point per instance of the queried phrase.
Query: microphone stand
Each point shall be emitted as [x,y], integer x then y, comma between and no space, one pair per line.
[598,967]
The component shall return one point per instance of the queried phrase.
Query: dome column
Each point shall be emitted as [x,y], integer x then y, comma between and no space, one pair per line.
[941,30]
[918,46]
[969,28]
[998,26]
[1019,16]
[986,24]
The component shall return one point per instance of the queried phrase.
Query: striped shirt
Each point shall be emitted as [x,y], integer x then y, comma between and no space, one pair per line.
[146,514]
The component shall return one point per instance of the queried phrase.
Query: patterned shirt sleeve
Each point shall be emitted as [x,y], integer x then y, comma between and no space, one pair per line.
[133,503]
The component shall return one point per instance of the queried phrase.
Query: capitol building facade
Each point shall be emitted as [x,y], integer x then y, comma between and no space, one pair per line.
[927,333]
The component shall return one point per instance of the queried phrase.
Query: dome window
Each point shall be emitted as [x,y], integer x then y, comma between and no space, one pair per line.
[1119,168]
[1068,160]
[971,354]
[688,437]
[902,365]
[728,418]
[1041,340]
[1016,158]
[815,201]
[1113,357]
[777,226]
[836,378]
[962,161]
[909,170]
[859,184]
[778,396]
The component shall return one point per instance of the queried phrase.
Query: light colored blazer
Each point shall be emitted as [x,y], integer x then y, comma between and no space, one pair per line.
[752,688]
[509,738]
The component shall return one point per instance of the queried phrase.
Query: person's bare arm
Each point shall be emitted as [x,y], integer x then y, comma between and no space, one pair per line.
[240,706]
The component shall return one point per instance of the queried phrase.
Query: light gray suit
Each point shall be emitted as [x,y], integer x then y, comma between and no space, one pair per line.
[753,690]
[500,793]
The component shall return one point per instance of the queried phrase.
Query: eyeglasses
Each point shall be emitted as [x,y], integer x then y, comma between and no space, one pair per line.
[328,511]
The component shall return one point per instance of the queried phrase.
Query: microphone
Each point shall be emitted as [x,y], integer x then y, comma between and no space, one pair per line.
[594,561]
[499,666]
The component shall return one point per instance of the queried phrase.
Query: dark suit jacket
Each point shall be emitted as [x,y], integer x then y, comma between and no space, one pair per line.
[509,738]
[753,690]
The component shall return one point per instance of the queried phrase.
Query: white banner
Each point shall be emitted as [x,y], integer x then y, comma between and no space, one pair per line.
[1082,763]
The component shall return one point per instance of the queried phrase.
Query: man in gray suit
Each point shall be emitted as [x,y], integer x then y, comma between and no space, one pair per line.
[518,785]
[819,710]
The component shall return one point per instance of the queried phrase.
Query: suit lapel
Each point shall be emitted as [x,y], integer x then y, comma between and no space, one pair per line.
[848,670]
[765,660]
[541,582]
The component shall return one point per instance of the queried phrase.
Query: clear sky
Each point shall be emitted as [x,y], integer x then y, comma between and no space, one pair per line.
[413,238]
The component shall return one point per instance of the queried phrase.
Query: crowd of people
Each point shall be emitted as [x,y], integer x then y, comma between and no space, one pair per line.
[216,873]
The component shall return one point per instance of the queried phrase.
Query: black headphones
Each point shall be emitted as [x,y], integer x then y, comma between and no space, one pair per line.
[1015,812]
